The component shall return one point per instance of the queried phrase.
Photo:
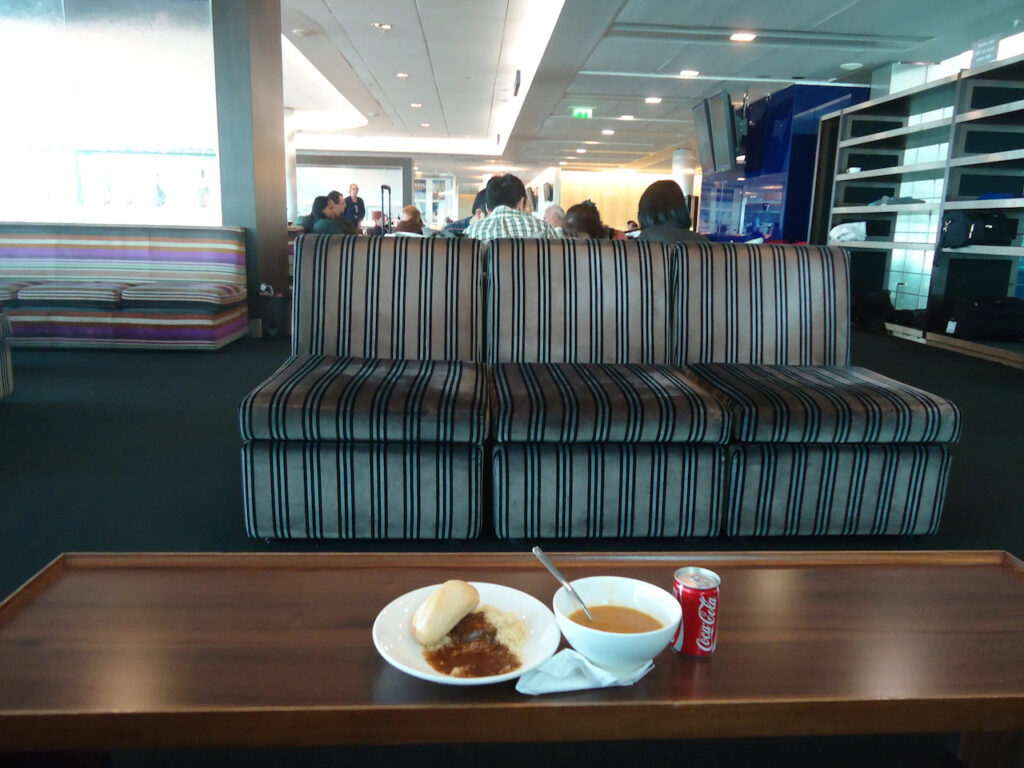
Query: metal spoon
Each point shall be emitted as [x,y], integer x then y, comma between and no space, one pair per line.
[539,553]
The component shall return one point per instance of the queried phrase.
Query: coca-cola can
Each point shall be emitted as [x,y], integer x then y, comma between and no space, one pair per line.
[696,589]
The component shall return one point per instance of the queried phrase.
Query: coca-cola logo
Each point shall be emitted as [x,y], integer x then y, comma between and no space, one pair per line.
[706,611]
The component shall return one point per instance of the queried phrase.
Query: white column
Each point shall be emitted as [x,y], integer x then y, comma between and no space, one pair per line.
[291,182]
[683,168]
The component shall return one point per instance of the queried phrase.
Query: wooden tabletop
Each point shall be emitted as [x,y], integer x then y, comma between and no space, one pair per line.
[123,651]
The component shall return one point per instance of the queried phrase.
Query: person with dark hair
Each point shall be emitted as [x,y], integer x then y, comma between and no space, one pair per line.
[478,211]
[319,221]
[663,214]
[506,213]
[583,220]
[336,212]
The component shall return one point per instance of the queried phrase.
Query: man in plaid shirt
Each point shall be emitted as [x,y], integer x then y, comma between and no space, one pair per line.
[506,213]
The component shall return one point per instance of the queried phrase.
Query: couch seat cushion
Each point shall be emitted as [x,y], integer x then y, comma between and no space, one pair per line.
[602,403]
[826,404]
[9,290]
[5,326]
[181,294]
[72,294]
[319,397]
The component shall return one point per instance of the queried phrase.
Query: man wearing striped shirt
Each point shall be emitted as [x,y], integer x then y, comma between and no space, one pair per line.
[506,213]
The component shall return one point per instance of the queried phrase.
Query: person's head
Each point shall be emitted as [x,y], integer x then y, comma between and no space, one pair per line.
[505,190]
[583,220]
[479,205]
[336,204]
[663,203]
[554,215]
[412,213]
[632,226]
[353,191]
[376,217]
[319,210]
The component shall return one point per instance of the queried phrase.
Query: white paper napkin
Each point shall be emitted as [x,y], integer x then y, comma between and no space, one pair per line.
[567,670]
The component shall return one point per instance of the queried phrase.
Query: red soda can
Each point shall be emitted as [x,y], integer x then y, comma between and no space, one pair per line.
[696,589]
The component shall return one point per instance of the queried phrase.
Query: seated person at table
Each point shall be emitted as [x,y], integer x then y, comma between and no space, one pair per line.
[412,221]
[479,210]
[583,220]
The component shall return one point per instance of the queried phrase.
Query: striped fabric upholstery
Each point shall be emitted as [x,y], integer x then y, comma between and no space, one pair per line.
[826,404]
[317,490]
[789,489]
[313,397]
[9,289]
[544,490]
[6,366]
[761,304]
[173,294]
[70,294]
[395,298]
[58,252]
[581,301]
[593,403]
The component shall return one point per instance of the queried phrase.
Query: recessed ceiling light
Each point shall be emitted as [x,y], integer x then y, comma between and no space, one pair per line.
[742,37]
[626,117]
[415,167]
[563,162]
[608,132]
[653,100]
[303,32]
[415,105]
[591,142]
[851,65]
[402,75]
[424,125]
[688,73]
[581,151]
[382,26]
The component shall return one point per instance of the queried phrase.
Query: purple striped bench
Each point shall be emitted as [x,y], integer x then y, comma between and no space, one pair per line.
[130,286]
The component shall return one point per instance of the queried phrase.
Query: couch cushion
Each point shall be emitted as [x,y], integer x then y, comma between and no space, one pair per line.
[72,294]
[180,294]
[826,404]
[320,397]
[602,403]
[9,290]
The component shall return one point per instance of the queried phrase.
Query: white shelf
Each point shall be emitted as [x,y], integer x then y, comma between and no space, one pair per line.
[883,245]
[997,111]
[909,130]
[895,170]
[992,157]
[983,205]
[889,209]
[986,250]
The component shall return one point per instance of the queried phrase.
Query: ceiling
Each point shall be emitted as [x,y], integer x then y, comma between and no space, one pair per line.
[462,55]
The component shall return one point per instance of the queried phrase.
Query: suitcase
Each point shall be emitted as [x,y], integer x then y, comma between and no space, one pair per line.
[990,320]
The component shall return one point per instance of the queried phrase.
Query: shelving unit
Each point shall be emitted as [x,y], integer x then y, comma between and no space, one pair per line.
[955,144]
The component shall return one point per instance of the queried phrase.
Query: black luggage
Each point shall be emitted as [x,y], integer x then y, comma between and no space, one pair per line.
[960,228]
[990,320]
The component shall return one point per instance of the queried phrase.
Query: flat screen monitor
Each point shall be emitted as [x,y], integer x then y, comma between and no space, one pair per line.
[703,127]
[723,132]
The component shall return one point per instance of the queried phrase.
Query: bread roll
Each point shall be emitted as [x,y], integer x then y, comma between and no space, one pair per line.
[445,608]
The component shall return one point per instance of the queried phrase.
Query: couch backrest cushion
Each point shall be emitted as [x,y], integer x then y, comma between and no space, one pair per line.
[65,252]
[578,301]
[761,304]
[403,298]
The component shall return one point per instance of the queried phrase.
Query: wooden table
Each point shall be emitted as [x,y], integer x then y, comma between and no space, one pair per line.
[127,651]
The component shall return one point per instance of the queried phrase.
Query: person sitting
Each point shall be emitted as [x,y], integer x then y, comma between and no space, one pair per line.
[632,226]
[478,211]
[336,211]
[412,221]
[555,216]
[376,228]
[319,221]
[664,216]
[506,213]
[583,220]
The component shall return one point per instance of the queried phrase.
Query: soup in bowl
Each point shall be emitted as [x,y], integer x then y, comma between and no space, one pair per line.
[633,620]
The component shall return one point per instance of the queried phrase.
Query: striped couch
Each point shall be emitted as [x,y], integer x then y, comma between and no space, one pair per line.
[374,426]
[816,446]
[6,367]
[615,389]
[123,287]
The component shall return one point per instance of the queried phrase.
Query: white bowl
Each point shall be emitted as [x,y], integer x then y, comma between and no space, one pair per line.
[612,650]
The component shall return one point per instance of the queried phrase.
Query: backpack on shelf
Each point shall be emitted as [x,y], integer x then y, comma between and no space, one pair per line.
[960,228]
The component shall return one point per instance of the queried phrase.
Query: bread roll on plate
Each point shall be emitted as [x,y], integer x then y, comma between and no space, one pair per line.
[439,613]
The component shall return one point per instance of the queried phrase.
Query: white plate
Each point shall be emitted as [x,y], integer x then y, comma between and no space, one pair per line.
[392,633]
